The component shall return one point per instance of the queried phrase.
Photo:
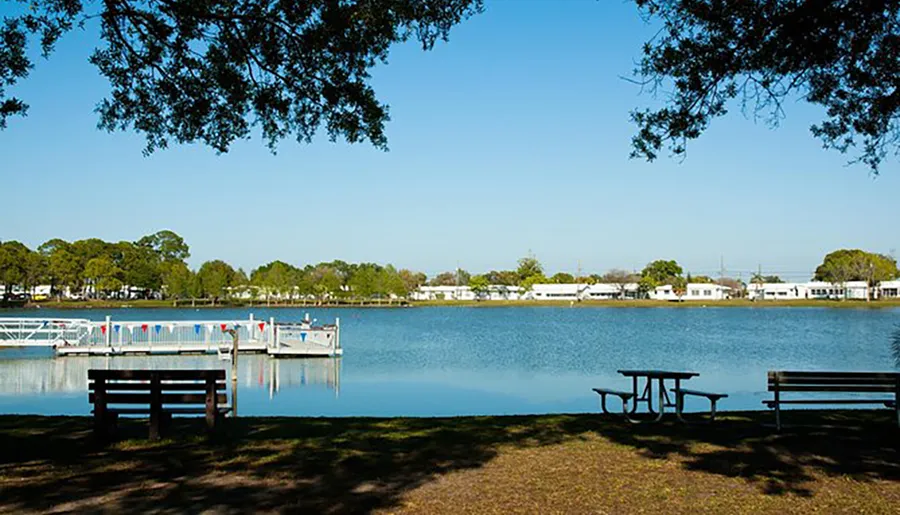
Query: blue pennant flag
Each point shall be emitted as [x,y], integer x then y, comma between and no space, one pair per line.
[116,327]
[196,328]
[302,337]
[158,328]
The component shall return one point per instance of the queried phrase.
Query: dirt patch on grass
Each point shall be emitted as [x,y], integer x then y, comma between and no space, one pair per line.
[837,462]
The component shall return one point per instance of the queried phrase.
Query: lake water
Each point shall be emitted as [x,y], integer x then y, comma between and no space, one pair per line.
[489,360]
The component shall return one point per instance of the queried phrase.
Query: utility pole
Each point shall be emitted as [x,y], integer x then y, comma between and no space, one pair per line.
[759,283]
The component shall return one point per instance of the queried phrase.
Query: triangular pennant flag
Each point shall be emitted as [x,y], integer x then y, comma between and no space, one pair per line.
[158,328]
[131,328]
[196,328]
[103,329]
[210,327]
[172,328]
[302,337]
[117,327]
[223,326]
[261,325]
[144,327]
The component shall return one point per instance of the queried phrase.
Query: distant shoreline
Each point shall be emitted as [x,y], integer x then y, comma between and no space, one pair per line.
[168,304]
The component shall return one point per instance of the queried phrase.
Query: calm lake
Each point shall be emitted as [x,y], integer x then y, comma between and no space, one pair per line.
[465,361]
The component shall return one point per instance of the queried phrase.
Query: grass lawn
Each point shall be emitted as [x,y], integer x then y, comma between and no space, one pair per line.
[836,462]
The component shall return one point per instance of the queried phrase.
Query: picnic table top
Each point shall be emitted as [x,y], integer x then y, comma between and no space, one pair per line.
[658,374]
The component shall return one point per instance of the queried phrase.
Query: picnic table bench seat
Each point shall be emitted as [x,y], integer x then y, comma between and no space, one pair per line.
[625,396]
[817,382]
[157,393]
[680,393]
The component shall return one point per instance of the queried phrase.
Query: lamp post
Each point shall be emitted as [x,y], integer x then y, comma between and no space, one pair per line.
[234,370]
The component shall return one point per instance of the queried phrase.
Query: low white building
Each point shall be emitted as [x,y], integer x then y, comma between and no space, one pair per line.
[889,289]
[557,292]
[694,291]
[856,290]
[609,291]
[502,292]
[443,293]
[777,291]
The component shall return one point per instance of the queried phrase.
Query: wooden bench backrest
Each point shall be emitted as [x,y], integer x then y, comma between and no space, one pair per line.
[139,386]
[795,381]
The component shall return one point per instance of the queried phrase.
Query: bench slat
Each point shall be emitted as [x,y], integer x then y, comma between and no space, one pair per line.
[166,398]
[829,401]
[613,392]
[172,387]
[699,393]
[175,411]
[177,374]
[787,374]
[836,381]
[825,388]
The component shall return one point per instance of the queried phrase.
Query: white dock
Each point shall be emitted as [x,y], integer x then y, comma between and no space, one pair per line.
[70,337]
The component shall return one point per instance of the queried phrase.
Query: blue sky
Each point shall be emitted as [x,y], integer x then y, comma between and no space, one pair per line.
[513,137]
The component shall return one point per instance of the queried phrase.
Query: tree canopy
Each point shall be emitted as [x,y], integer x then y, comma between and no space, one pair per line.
[845,265]
[199,71]
[841,55]
[660,272]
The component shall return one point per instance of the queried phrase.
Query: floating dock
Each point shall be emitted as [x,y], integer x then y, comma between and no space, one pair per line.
[111,337]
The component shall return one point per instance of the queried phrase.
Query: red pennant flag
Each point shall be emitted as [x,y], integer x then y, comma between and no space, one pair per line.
[262,325]
[144,327]
[224,326]
[103,329]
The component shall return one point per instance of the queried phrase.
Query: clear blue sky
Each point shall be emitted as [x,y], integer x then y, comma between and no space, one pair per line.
[514,136]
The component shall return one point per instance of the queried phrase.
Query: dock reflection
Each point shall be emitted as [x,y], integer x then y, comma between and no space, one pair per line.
[35,375]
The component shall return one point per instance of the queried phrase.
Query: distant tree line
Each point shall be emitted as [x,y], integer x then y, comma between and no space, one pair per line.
[155,266]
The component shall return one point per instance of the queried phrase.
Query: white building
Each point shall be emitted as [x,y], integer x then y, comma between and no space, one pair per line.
[694,291]
[557,292]
[889,289]
[608,291]
[856,290]
[502,292]
[777,291]
[443,293]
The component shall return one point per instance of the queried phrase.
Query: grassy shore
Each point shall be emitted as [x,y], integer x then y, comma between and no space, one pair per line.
[839,462]
[118,304]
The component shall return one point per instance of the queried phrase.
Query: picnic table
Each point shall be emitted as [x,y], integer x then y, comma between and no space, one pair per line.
[646,396]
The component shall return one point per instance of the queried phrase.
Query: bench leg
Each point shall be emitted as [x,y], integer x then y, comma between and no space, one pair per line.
[165,423]
[211,416]
[110,427]
[679,406]
[712,410]
[777,416]
[154,424]
[605,410]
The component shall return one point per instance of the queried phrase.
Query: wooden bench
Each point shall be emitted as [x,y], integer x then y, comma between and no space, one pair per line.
[834,382]
[713,398]
[157,393]
[625,396]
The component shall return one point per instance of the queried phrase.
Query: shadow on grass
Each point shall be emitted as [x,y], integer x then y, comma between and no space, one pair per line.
[356,465]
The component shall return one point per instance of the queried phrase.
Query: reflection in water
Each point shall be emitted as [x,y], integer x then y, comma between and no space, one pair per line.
[29,374]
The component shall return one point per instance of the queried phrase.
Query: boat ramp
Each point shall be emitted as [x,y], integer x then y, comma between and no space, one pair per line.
[74,336]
